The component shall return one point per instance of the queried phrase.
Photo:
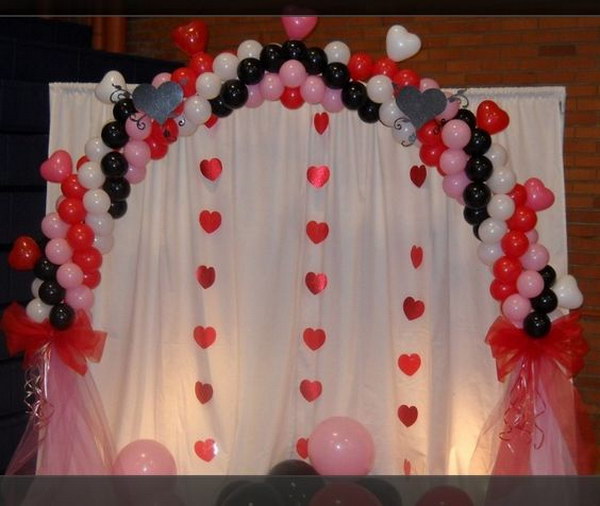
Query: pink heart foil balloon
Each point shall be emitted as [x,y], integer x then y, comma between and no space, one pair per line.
[538,196]
[298,27]
[58,167]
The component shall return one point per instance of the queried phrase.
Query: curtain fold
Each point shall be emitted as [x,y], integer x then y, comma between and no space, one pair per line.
[159,360]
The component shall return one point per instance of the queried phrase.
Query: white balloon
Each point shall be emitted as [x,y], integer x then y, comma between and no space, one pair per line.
[249,49]
[95,149]
[497,155]
[104,243]
[208,85]
[111,89]
[489,253]
[96,201]
[101,224]
[197,109]
[502,180]
[90,175]
[400,44]
[404,132]
[568,293]
[225,66]
[380,89]
[389,112]
[337,51]
[491,230]
[501,207]
[37,310]
[186,127]
[35,286]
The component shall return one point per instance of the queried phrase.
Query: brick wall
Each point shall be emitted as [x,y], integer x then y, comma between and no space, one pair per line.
[474,51]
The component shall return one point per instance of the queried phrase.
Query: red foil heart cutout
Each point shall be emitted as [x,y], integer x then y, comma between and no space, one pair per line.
[316,282]
[191,38]
[211,169]
[302,447]
[407,467]
[24,253]
[204,337]
[413,309]
[416,256]
[321,122]
[206,449]
[204,392]
[418,174]
[408,414]
[317,232]
[314,338]
[409,364]
[318,176]
[491,118]
[210,221]
[311,390]
[205,276]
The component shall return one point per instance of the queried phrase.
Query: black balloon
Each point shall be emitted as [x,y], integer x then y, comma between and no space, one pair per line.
[117,188]
[477,195]
[479,169]
[369,111]
[354,94]
[50,292]
[61,316]
[250,71]
[123,109]
[467,116]
[479,144]
[548,275]
[537,324]
[293,467]
[271,57]
[114,135]
[336,75]
[294,50]
[219,107]
[234,93]
[117,209]
[385,492]
[475,215]
[45,269]
[545,302]
[114,164]
[295,491]
[315,61]
[258,494]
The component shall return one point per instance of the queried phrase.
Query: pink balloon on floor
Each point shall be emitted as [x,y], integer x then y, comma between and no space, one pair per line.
[144,457]
[341,446]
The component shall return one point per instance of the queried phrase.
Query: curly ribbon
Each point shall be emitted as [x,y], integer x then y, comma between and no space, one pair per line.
[547,364]
[75,345]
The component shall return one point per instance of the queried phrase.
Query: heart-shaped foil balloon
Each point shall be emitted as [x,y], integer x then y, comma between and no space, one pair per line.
[159,102]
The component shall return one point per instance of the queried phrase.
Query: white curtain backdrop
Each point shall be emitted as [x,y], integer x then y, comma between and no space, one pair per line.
[150,302]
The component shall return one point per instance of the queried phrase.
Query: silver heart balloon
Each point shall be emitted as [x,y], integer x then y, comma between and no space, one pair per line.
[421,107]
[159,102]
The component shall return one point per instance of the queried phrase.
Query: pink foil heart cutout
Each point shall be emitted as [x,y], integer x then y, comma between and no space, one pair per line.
[538,196]
[58,167]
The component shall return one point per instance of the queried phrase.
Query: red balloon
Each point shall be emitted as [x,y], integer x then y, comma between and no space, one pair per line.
[430,133]
[24,253]
[211,121]
[360,66]
[518,194]
[514,243]
[156,132]
[71,210]
[430,154]
[291,98]
[186,78]
[158,149]
[70,187]
[406,77]
[491,117]
[89,259]
[500,290]
[201,62]
[82,160]
[507,269]
[191,38]
[80,236]
[92,279]
[170,131]
[385,66]
[523,219]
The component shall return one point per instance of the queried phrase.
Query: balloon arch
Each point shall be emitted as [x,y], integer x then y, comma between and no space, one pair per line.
[458,142]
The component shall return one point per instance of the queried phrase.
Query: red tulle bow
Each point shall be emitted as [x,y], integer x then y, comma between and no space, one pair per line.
[75,345]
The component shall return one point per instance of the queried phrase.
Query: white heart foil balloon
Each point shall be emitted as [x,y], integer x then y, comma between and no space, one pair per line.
[112,87]
[568,293]
[401,44]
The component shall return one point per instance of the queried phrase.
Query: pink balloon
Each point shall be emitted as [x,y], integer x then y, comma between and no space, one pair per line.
[138,127]
[532,235]
[135,174]
[530,284]
[516,307]
[292,73]
[58,251]
[456,134]
[312,90]
[144,457]
[80,297]
[453,161]
[332,100]
[161,78]
[452,107]
[454,185]
[535,258]
[53,227]
[271,86]
[298,27]
[427,83]
[341,446]
[255,98]
[137,153]
[69,275]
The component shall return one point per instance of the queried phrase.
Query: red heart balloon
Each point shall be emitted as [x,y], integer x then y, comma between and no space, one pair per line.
[491,118]
[191,38]
[24,253]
